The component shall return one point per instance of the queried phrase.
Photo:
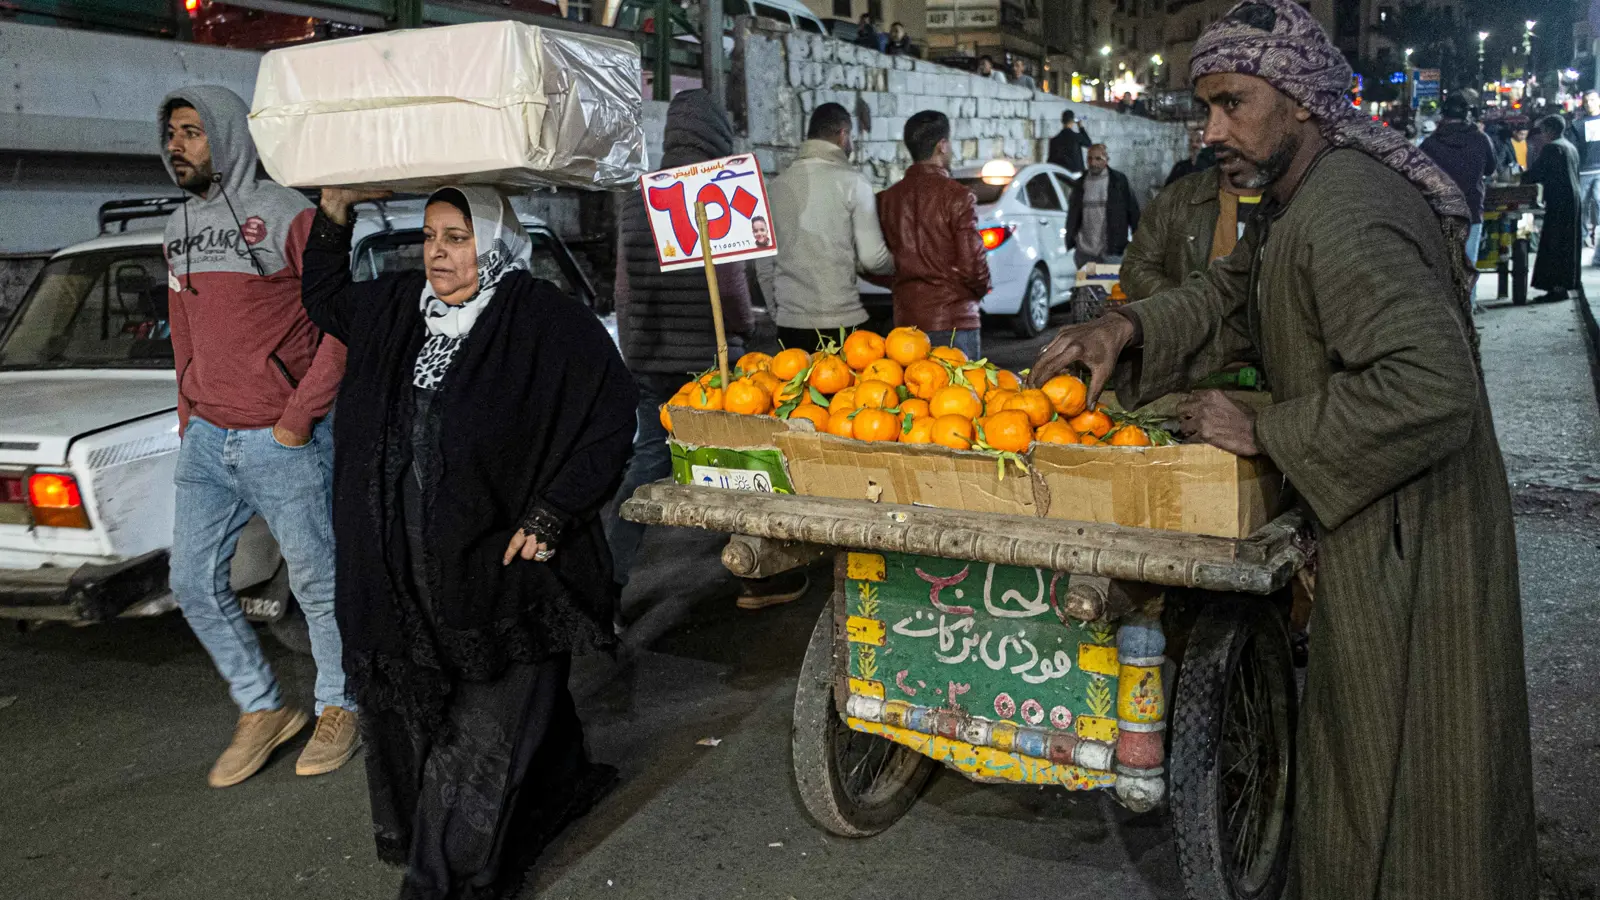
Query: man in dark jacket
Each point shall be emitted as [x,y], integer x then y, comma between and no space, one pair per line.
[664,322]
[1584,133]
[1467,156]
[1066,148]
[1199,159]
[930,223]
[1104,212]
[1556,268]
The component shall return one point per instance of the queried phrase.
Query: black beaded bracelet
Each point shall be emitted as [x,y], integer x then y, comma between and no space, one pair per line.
[543,525]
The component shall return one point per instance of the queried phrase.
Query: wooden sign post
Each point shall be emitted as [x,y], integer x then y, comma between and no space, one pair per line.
[716,294]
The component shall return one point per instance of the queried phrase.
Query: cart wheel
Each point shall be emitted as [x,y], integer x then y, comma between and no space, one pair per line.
[1232,759]
[853,784]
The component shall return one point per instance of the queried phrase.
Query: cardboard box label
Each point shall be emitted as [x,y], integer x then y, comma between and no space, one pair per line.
[732,479]
[742,470]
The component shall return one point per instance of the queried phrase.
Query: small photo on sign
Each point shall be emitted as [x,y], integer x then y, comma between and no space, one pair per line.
[736,212]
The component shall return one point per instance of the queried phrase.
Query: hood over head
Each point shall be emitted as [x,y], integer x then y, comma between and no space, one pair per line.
[696,130]
[1457,134]
[226,118]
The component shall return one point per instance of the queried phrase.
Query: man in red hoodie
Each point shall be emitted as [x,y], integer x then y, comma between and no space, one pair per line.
[256,383]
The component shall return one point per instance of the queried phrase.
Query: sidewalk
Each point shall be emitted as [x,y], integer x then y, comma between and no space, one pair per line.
[1538,373]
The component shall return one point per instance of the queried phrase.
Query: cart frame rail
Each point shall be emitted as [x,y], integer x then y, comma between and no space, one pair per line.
[1261,563]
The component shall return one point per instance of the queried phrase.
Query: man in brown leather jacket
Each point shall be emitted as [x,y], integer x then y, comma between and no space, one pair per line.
[931,226]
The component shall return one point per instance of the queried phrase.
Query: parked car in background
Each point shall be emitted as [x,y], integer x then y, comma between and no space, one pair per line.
[639,15]
[89,422]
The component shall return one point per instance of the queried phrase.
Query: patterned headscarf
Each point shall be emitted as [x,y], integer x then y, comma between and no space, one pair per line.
[1279,42]
[502,246]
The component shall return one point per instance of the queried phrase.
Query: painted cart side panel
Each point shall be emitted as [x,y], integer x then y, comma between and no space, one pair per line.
[979,666]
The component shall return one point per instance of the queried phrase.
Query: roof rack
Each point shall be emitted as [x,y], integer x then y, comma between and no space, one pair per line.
[121,212]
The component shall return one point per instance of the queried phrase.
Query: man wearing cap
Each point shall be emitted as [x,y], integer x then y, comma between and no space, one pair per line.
[1414,778]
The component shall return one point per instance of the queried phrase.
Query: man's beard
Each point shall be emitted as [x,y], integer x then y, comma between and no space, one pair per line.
[198,179]
[1268,170]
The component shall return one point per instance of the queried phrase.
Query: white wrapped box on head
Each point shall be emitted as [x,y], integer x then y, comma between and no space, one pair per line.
[500,103]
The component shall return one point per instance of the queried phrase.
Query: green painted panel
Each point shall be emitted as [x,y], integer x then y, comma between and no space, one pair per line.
[751,470]
[988,640]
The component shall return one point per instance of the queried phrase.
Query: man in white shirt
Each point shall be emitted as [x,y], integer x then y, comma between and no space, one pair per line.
[825,220]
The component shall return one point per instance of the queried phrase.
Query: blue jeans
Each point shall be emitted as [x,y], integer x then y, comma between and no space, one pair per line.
[967,340]
[1474,240]
[224,478]
[652,461]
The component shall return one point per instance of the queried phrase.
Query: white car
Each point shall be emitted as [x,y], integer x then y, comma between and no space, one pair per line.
[89,423]
[1022,219]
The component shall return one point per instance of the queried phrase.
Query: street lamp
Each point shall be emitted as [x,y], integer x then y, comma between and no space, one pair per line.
[1482,36]
[1155,69]
[1105,56]
[1411,91]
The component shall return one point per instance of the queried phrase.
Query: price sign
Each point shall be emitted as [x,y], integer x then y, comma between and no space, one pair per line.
[736,211]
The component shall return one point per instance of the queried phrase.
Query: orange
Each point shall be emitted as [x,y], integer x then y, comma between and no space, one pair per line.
[876,395]
[1009,430]
[862,349]
[768,382]
[1057,432]
[1007,379]
[753,362]
[1067,394]
[789,363]
[785,393]
[997,400]
[1089,437]
[876,425]
[1094,422]
[830,375]
[1035,404]
[706,398]
[1130,436]
[666,418]
[957,401]
[925,377]
[812,413]
[907,345]
[885,370]
[915,408]
[845,400]
[949,354]
[839,423]
[954,432]
[747,398]
[921,432]
[978,377]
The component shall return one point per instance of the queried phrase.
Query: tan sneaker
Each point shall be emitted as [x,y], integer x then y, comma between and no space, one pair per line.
[333,743]
[254,739]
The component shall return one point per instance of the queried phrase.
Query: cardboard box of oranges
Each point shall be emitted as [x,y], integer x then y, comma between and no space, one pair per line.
[895,420]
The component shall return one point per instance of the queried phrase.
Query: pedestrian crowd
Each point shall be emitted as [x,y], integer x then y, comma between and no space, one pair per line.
[485,420]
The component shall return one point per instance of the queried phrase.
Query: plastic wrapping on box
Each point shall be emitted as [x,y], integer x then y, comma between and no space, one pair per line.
[500,103]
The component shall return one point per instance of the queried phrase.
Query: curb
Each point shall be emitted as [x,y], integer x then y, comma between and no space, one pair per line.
[1588,312]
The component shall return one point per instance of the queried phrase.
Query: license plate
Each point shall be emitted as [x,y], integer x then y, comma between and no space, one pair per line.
[733,479]
[262,608]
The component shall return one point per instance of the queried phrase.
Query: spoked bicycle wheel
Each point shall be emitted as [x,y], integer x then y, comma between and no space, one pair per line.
[1232,758]
[852,783]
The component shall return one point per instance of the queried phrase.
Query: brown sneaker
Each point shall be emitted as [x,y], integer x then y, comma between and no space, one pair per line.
[760,593]
[254,739]
[332,744]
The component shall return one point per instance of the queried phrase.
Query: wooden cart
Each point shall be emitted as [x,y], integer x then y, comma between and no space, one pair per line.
[1030,651]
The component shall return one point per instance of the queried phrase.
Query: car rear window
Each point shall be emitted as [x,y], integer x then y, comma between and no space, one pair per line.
[982,190]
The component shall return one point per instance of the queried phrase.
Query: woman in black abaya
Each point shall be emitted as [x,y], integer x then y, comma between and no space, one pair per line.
[484,418]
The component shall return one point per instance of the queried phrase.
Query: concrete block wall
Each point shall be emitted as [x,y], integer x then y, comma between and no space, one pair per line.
[789,73]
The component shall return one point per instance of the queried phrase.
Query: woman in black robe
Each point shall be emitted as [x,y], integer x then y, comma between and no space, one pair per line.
[484,418]
[1556,267]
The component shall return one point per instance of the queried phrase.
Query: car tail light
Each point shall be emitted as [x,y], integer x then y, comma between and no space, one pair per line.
[56,500]
[994,237]
[12,490]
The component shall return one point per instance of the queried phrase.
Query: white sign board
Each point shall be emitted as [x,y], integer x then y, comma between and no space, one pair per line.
[736,212]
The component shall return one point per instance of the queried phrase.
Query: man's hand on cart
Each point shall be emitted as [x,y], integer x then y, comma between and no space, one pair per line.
[1220,421]
[1094,345]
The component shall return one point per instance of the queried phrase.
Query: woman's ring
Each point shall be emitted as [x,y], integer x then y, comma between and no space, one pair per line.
[543,555]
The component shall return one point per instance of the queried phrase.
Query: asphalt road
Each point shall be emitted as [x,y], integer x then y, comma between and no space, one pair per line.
[106,734]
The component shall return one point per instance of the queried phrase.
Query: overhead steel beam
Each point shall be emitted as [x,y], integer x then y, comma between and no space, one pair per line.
[375,14]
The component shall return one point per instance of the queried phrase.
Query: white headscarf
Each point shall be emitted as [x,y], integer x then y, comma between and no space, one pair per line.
[502,247]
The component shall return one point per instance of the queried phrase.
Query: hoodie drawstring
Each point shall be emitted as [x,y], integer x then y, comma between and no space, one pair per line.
[188,255]
[217,180]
